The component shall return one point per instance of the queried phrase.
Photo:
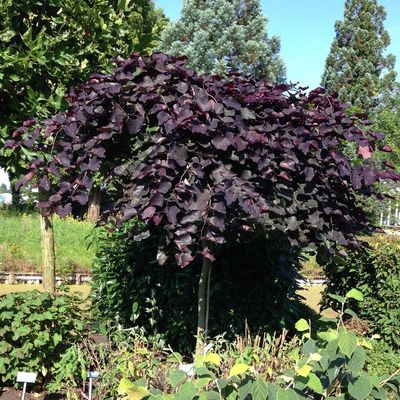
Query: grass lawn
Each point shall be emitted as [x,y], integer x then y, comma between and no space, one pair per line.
[5,289]
[20,243]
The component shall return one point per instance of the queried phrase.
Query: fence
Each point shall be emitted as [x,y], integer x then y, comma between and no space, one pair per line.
[33,277]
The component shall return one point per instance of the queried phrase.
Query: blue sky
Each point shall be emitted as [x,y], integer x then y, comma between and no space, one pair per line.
[306,29]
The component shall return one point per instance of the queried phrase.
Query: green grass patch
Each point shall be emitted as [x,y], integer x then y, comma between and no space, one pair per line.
[20,249]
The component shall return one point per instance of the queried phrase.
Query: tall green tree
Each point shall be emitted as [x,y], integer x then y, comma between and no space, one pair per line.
[357,67]
[220,36]
[387,120]
[48,46]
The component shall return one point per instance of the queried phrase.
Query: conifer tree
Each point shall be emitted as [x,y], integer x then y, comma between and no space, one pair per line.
[357,67]
[221,36]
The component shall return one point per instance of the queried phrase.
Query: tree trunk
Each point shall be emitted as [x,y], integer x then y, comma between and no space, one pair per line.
[48,251]
[203,305]
[93,213]
[15,195]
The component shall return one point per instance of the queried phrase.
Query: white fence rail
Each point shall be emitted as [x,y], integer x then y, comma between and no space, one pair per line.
[33,277]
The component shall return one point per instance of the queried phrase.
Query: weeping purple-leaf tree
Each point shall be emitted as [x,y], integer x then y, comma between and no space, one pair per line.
[199,158]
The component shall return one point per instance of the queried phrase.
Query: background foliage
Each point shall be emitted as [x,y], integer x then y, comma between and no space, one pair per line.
[376,272]
[253,286]
[46,47]
[357,67]
[221,36]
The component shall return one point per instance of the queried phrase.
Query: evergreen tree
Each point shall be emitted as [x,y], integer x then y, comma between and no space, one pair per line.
[221,36]
[387,120]
[357,67]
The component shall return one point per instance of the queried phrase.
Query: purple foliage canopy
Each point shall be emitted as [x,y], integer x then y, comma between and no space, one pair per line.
[202,158]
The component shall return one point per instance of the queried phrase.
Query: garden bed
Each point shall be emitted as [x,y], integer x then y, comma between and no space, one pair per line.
[13,394]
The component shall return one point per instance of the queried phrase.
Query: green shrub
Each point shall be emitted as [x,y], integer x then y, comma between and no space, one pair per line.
[47,47]
[376,272]
[382,359]
[36,329]
[329,363]
[253,281]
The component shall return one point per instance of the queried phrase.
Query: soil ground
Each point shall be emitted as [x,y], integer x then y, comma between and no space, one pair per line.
[12,394]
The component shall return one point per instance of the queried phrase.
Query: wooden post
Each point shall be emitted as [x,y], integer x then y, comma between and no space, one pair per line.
[93,212]
[48,250]
[203,305]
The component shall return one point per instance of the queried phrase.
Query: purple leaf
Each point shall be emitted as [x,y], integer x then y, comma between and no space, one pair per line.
[183,259]
[45,183]
[64,211]
[220,143]
[24,181]
[172,213]
[148,213]
[133,125]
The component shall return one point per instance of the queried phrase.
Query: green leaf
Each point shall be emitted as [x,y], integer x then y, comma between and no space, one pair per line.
[245,389]
[188,390]
[259,390]
[350,312]
[329,335]
[336,297]
[175,358]
[272,391]
[355,294]
[124,386]
[131,390]
[314,383]
[347,342]
[360,388]
[221,383]
[357,361]
[286,394]
[21,331]
[302,325]
[210,395]
[310,347]
[5,347]
[177,377]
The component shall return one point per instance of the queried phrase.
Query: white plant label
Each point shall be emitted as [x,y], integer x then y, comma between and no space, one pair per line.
[26,377]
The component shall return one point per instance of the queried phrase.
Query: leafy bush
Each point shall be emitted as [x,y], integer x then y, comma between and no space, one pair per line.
[382,359]
[253,281]
[376,272]
[325,364]
[36,329]
[329,365]
[48,46]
